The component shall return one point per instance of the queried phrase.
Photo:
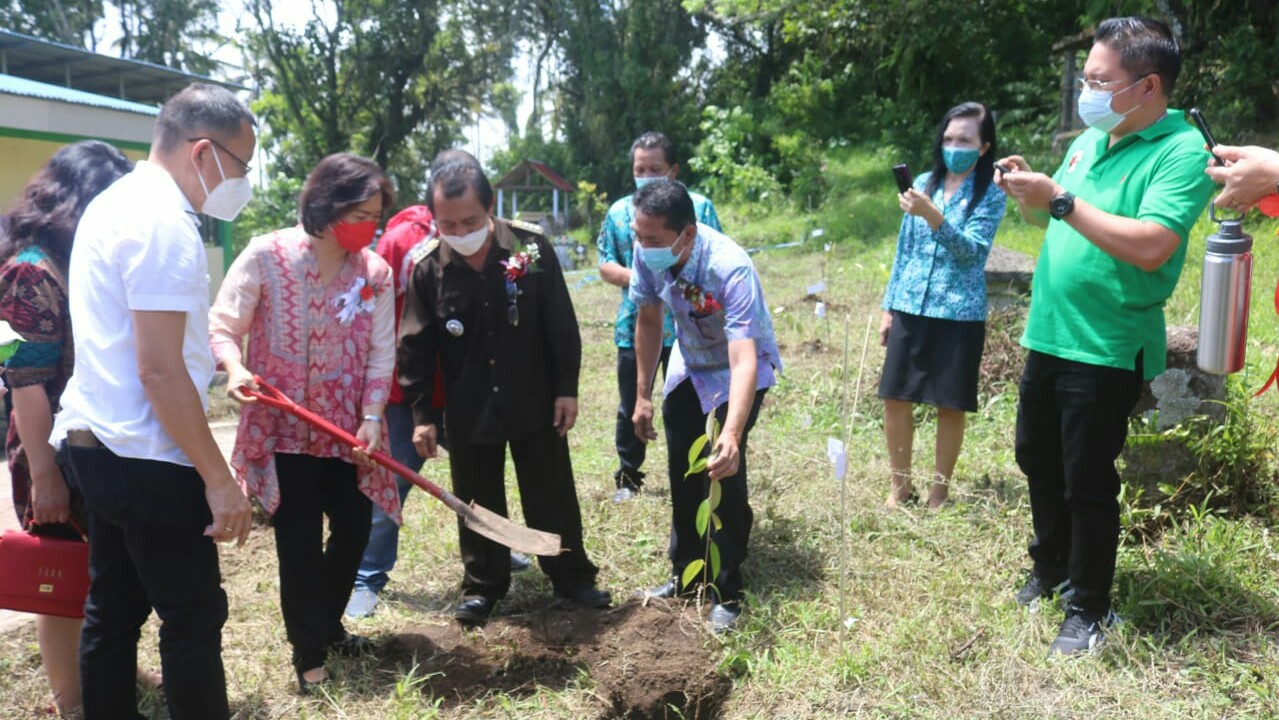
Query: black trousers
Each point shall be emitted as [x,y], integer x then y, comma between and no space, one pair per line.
[685,422]
[544,474]
[147,550]
[1072,421]
[316,577]
[630,449]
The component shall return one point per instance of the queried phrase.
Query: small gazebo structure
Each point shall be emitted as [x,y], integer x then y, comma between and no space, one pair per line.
[531,176]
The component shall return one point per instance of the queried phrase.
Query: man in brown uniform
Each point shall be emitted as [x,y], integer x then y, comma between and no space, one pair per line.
[491,300]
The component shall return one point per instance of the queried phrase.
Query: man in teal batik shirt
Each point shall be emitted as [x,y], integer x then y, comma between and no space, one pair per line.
[652,157]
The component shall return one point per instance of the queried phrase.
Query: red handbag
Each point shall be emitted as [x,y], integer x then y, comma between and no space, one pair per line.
[43,575]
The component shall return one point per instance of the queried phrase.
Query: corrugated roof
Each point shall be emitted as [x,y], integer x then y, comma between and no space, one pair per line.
[11,85]
[73,67]
[556,179]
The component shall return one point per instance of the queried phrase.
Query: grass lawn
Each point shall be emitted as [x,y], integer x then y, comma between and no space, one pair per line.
[854,611]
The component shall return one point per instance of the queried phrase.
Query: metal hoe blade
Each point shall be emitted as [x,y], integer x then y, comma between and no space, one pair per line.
[503,531]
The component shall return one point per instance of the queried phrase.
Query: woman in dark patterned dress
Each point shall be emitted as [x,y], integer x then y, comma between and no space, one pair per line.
[33,300]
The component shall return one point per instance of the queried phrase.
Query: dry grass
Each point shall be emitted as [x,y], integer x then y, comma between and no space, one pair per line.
[928,628]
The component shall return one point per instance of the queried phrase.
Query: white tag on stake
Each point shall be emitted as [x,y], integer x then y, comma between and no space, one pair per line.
[820,310]
[839,458]
[819,286]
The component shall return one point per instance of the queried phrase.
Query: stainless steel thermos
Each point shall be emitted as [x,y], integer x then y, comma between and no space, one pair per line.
[1223,299]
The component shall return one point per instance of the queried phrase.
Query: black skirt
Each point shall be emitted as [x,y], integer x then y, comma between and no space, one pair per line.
[934,362]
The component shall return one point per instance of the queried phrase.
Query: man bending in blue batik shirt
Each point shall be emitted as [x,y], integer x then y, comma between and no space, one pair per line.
[724,362]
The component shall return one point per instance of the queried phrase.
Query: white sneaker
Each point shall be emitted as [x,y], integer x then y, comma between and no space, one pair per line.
[362,603]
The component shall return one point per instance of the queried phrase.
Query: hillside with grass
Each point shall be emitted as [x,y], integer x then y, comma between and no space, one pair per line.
[853,611]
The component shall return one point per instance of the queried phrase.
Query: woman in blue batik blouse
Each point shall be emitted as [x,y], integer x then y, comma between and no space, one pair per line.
[934,321]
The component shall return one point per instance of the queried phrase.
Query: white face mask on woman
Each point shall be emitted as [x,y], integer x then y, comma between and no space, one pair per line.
[228,198]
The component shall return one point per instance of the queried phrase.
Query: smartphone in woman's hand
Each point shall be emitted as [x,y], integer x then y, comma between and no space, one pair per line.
[902,174]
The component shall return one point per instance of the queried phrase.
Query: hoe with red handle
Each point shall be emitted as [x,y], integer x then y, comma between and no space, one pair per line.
[480,519]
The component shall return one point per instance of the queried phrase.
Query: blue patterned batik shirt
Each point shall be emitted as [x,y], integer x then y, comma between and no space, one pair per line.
[720,267]
[942,273]
[617,244]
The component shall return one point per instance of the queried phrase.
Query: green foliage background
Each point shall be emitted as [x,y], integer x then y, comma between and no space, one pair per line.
[755,93]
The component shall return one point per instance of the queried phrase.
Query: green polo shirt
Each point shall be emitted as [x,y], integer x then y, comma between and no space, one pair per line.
[1087,306]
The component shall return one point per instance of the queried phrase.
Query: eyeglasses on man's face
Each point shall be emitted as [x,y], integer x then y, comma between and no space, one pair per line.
[247,167]
[1107,85]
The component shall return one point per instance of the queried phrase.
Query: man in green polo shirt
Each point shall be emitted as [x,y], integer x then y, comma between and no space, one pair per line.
[1118,213]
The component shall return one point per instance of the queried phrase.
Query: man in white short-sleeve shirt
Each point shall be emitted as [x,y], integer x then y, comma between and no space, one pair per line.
[139,250]
[132,426]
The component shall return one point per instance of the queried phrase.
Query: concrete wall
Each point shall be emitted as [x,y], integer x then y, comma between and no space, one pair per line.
[22,157]
[63,118]
[33,129]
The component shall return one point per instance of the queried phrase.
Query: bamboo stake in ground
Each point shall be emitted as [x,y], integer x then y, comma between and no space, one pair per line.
[843,493]
[851,413]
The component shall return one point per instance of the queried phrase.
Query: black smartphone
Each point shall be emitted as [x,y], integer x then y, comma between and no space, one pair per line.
[1198,117]
[1003,168]
[902,174]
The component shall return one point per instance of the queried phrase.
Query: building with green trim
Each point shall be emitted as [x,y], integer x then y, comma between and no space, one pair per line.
[53,94]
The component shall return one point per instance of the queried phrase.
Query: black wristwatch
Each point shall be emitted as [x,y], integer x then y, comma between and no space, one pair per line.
[1062,205]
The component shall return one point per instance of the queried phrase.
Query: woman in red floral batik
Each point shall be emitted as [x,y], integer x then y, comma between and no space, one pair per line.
[317,307]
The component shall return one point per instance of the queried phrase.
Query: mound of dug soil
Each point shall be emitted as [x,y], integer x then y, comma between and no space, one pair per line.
[647,661]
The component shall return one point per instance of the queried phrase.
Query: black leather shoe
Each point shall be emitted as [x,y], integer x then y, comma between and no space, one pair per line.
[724,617]
[474,610]
[519,562]
[587,596]
[352,645]
[668,589]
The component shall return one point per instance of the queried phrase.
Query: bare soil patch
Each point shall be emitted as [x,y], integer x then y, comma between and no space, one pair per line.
[646,661]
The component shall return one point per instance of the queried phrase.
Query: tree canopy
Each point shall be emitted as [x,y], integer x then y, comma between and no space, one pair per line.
[179,34]
[753,92]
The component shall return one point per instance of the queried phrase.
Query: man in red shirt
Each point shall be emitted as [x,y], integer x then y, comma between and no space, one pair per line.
[408,229]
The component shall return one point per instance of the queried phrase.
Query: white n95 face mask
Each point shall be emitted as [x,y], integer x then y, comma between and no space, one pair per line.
[229,197]
[467,244]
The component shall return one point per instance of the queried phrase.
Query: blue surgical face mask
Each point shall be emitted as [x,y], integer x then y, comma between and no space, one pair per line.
[660,259]
[642,181]
[1095,111]
[959,160]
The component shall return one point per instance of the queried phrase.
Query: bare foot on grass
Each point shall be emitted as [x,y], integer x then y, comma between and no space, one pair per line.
[900,492]
[938,494]
[150,679]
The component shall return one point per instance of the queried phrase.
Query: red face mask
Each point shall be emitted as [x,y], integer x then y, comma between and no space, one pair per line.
[354,237]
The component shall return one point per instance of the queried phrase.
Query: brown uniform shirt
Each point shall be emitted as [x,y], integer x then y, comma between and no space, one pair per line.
[501,373]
